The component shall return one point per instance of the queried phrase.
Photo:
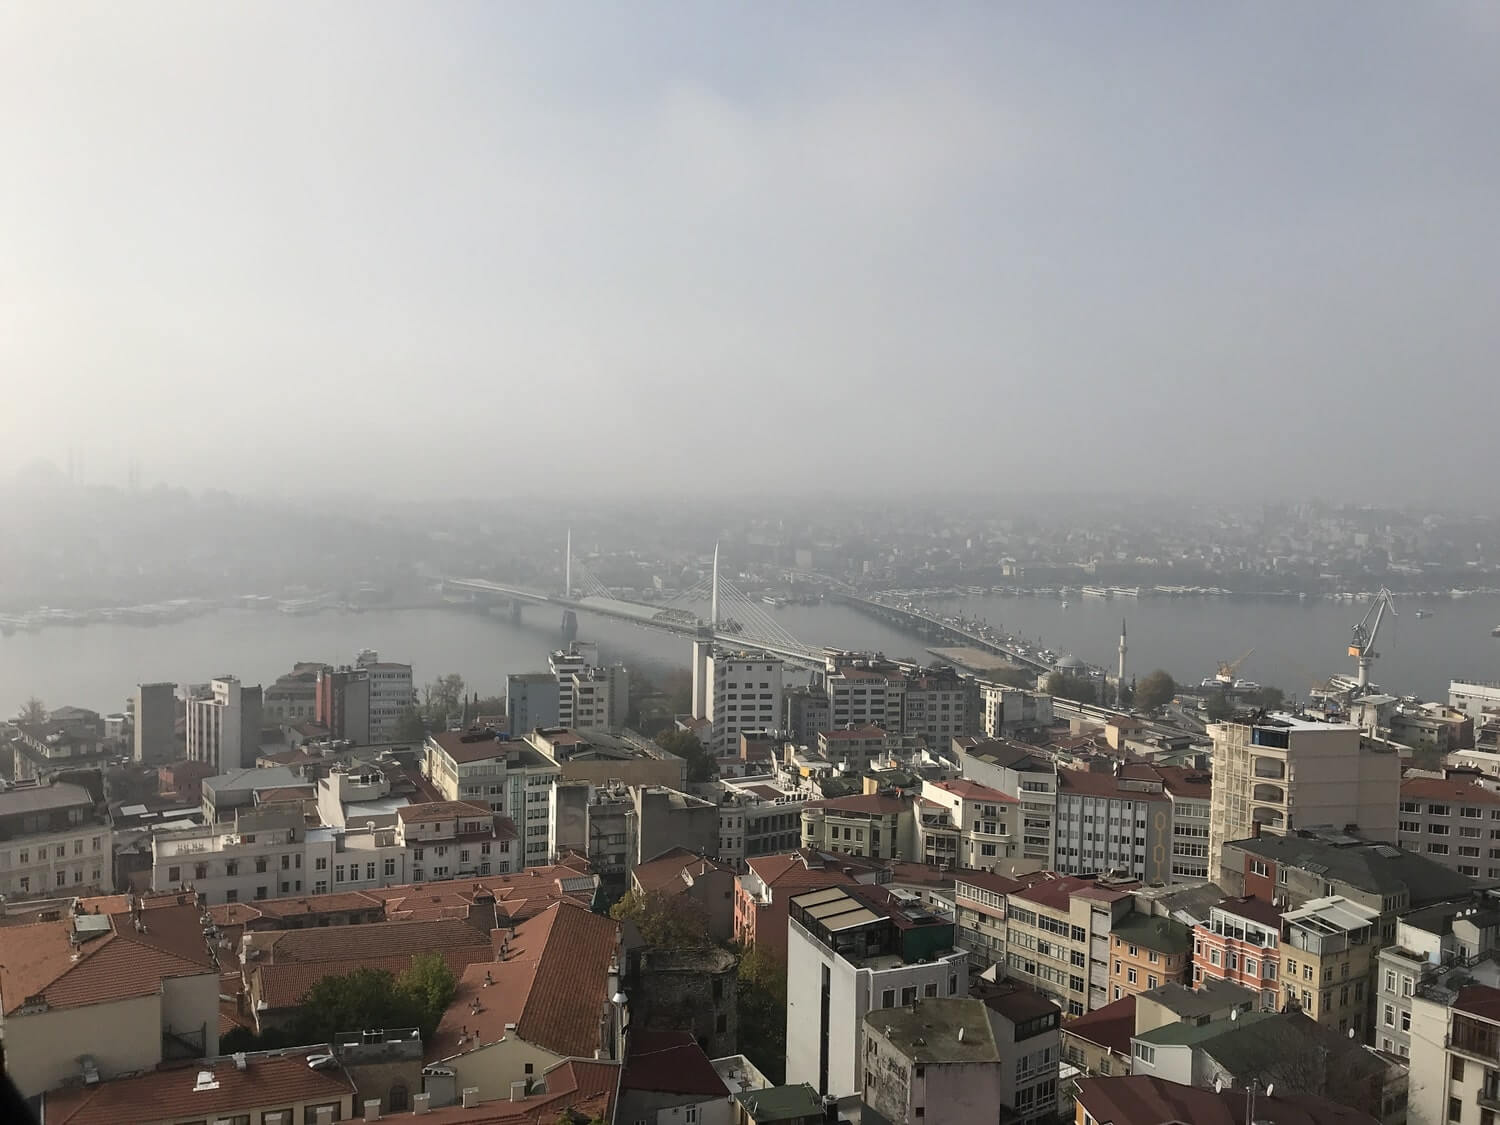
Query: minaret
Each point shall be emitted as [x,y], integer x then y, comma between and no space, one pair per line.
[1120,682]
[568,569]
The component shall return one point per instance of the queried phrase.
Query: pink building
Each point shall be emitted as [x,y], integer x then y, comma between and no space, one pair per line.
[1239,943]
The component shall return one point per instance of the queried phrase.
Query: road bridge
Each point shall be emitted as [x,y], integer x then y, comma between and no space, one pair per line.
[930,624]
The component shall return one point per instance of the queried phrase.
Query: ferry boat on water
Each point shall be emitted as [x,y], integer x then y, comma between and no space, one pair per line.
[1096,591]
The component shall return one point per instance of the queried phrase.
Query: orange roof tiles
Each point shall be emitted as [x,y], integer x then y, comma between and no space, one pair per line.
[875,803]
[672,870]
[358,944]
[1055,893]
[442,810]
[551,981]
[973,791]
[1448,789]
[272,1079]
[38,963]
[585,1087]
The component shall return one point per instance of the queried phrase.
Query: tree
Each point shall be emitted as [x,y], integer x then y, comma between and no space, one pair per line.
[1155,689]
[442,698]
[357,999]
[1010,676]
[665,921]
[428,986]
[762,1011]
[1216,708]
[1270,698]
[34,712]
[410,726]
[686,745]
[1080,689]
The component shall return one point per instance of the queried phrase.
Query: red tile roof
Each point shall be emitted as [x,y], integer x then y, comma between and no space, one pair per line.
[354,945]
[37,961]
[874,803]
[587,1088]
[442,810]
[1255,909]
[674,870]
[670,1062]
[1140,1099]
[1097,784]
[1109,1027]
[276,1078]
[287,985]
[1056,892]
[1479,1000]
[973,791]
[1448,789]
[551,981]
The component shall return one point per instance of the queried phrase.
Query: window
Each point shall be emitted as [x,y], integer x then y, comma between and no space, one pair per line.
[310,1113]
[321,863]
[174,874]
[1130,975]
[1455,1109]
[909,995]
[1458,1069]
[1146,1053]
[888,998]
[1258,867]
[690,1113]
[1388,1017]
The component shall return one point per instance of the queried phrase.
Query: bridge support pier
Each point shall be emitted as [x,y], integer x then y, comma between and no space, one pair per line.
[515,611]
[569,626]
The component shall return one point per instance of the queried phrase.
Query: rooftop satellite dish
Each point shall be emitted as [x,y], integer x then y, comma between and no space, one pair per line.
[1271,1089]
[1351,1033]
[1218,1085]
[1234,1014]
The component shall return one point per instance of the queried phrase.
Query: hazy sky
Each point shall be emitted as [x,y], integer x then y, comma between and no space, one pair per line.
[458,247]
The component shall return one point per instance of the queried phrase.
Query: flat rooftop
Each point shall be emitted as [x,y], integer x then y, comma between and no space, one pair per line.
[945,1030]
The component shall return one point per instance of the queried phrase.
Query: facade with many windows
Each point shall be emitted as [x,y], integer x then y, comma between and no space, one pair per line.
[511,776]
[1057,938]
[974,826]
[1328,949]
[1240,943]
[53,840]
[1454,821]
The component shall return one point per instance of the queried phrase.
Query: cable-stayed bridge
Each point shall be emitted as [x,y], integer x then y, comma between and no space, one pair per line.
[734,619]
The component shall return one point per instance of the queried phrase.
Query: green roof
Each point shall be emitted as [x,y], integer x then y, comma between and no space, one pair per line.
[780,1103]
[1161,934]
[1186,1034]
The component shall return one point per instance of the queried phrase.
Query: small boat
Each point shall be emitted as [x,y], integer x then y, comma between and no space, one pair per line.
[1422,613]
[1064,604]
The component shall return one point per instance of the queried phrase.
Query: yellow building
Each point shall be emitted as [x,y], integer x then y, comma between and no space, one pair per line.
[1328,950]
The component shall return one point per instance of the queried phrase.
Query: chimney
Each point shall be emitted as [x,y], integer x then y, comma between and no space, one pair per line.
[1255,830]
[372,1109]
[420,1103]
[471,1097]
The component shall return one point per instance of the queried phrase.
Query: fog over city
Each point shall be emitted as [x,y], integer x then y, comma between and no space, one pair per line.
[490,248]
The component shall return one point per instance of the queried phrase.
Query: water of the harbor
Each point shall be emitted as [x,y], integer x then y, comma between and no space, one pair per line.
[1296,643]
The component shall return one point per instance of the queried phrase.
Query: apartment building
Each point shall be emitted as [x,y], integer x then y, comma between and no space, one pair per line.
[1479,700]
[1025,1024]
[939,1058]
[1285,773]
[1454,821]
[292,698]
[1057,937]
[598,822]
[261,854]
[864,690]
[510,775]
[965,824]
[1329,948]
[1119,821]
[1240,943]
[857,748]
[223,724]
[1146,953]
[763,892]
[979,904]
[154,707]
[936,706]
[1455,1056]
[608,760]
[341,703]
[391,694]
[453,839]
[1191,793]
[1007,711]
[852,950]
[1024,773]
[590,696]
[531,702]
[54,839]
[108,990]
[1435,948]
[873,825]
[807,711]
[735,692]
[757,817]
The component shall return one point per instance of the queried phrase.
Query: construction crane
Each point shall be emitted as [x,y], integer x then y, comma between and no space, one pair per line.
[1227,670]
[1362,646]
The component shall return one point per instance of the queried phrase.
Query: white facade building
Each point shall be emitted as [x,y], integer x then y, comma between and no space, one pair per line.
[735,692]
[223,725]
[53,840]
[1474,698]
[852,950]
[511,776]
[391,693]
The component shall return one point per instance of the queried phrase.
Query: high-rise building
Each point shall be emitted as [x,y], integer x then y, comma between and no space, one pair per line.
[391,693]
[223,724]
[735,691]
[1282,773]
[342,703]
[531,702]
[155,710]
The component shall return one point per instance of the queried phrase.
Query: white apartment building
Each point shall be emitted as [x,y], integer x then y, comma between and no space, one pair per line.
[53,840]
[852,950]
[454,839]
[757,817]
[735,692]
[937,1058]
[1455,1056]
[564,664]
[1474,698]
[864,690]
[1027,1034]
[391,693]
[1453,821]
[511,776]
[591,699]
[982,825]
[223,724]
[263,854]
[1286,773]
[1004,710]
[1024,773]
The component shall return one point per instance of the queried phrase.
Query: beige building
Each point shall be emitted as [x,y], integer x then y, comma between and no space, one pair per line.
[1455,1056]
[94,995]
[1057,937]
[873,825]
[978,828]
[53,841]
[510,775]
[1328,950]
[936,1059]
[1284,773]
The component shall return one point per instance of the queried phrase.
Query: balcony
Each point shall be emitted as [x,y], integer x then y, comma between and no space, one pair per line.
[1475,1038]
[1273,768]
[1272,794]
[1269,817]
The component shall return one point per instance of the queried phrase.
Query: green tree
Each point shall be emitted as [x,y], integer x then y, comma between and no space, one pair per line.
[410,726]
[357,999]
[1217,708]
[1012,677]
[442,698]
[665,921]
[33,712]
[762,1011]
[1080,689]
[428,986]
[1270,698]
[1155,689]
[685,744]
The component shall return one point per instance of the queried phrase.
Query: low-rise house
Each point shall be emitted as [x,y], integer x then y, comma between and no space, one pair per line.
[107,991]
[873,825]
[1146,1100]
[795,1104]
[667,1076]
[1098,1042]
[287,1087]
[936,1057]
[547,995]
[455,840]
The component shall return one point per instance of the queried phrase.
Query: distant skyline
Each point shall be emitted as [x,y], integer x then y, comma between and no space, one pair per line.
[461,249]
